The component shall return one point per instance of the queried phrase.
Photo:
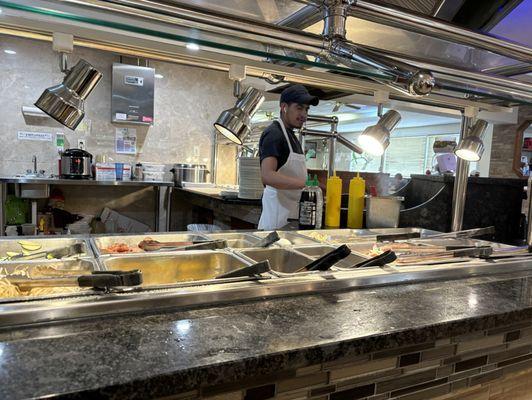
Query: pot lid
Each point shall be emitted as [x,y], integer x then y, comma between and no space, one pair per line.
[77,153]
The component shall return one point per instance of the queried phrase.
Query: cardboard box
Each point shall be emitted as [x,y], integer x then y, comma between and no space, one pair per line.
[118,223]
[106,172]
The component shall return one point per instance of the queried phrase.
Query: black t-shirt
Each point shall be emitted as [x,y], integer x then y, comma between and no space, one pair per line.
[273,144]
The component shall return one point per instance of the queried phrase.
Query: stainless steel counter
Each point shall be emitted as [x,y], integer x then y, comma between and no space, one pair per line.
[84,182]
[193,282]
[162,192]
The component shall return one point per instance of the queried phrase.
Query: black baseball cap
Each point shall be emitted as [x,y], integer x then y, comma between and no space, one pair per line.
[298,94]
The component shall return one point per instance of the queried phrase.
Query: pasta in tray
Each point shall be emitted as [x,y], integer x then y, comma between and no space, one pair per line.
[8,290]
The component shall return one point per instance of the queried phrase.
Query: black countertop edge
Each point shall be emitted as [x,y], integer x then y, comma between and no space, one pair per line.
[477,180]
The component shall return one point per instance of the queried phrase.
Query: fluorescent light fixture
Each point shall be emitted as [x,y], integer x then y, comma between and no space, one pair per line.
[193,46]
[471,147]
[9,51]
[235,122]
[375,139]
[159,76]
[65,102]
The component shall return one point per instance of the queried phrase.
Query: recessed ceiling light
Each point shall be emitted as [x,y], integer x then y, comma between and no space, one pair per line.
[10,51]
[193,46]
[159,76]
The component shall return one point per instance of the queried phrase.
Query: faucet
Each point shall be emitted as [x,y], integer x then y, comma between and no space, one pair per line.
[34,161]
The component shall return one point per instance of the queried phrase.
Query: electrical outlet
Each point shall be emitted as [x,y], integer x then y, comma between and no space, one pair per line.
[81,144]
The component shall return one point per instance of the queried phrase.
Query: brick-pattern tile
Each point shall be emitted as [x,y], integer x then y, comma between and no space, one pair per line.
[430,393]
[406,380]
[260,392]
[438,352]
[482,343]
[471,363]
[409,359]
[360,369]
[302,382]
[355,393]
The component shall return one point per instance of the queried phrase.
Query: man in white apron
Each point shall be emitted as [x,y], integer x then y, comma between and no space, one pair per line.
[282,159]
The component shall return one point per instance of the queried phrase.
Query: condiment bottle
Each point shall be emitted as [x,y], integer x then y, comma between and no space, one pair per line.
[333,201]
[355,210]
[319,202]
[307,206]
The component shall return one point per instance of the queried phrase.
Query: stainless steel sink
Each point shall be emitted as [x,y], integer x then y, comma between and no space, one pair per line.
[101,243]
[281,260]
[174,268]
[320,250]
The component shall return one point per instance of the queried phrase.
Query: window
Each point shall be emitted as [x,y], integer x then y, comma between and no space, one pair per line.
[406,155]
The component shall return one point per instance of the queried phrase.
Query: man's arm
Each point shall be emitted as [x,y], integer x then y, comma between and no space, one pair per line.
[272,177]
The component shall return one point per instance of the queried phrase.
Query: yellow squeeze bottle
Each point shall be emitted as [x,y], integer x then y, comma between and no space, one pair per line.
[355,210]
[333,202]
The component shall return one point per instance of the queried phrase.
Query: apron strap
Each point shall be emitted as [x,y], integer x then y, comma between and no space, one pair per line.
[280,121]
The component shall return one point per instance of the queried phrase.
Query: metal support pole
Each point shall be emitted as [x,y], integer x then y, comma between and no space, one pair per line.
[460,182]
[380,109]
[332,145]
[529,216]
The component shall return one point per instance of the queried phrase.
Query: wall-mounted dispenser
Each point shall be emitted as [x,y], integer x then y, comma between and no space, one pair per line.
[132,94]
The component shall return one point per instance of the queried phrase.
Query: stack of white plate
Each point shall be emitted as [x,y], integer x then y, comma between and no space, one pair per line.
[249,180]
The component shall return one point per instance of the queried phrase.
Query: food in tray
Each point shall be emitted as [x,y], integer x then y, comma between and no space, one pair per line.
[36,252]
[29,246]
[320,237]
[120,248]
[7,289]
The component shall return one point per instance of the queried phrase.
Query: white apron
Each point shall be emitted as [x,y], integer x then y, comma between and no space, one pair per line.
[279,205]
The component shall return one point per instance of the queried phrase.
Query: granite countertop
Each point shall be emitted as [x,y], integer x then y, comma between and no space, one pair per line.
[141,356]
[84,182]
[214,193]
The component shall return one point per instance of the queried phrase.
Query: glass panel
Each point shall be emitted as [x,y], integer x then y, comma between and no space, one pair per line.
[268,11]
[415,45]
[396,40]
[405,155]
[213,41]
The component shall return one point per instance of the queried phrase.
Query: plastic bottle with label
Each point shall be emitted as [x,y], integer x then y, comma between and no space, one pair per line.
[319,202]
[307,206]
[333,202]
[355,210]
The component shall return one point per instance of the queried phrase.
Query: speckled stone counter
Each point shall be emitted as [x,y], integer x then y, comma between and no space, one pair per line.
[150,356]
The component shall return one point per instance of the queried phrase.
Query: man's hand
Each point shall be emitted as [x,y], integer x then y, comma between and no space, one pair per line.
[271,177]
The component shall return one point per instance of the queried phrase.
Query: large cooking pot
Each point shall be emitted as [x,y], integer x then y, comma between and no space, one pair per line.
[76,164]
[195,173]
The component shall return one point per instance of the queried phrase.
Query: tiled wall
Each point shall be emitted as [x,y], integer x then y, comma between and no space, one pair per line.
[187,101]
[503,144]
[486,365]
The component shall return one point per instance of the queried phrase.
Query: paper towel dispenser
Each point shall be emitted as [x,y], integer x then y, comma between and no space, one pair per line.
[132,94]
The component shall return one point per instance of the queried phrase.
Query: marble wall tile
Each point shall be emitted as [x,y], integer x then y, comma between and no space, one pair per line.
[187,102]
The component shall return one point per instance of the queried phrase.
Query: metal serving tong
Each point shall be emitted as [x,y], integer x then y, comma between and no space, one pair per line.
[378,261]
[464,234]
[155,245]
[327,260]
[268,240]
[97,279]
[250,270]
[68,251]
